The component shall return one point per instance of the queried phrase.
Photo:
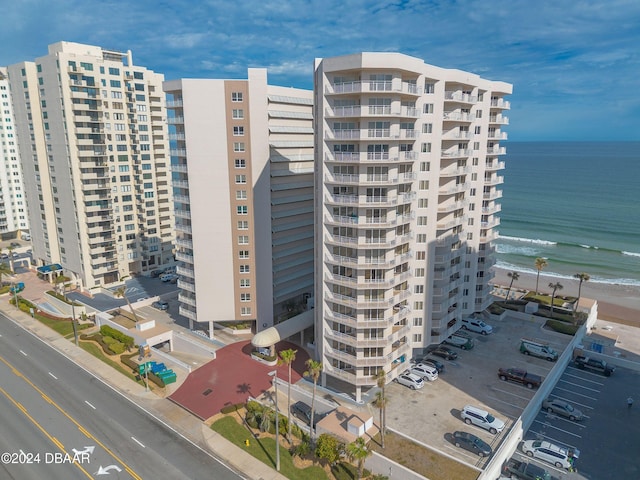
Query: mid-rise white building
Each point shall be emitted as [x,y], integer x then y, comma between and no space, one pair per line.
[407,189]
[92,131]
[13,204]
[242,160]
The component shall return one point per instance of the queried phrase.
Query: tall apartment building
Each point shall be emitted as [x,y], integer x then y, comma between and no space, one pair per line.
[242,160]
[13,204]
[93,136]
[407,186]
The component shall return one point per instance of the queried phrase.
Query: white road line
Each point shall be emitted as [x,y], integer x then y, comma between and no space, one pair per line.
[138,442]
[573,402]
[586,372]
[23,353]
[563,419]
[579,394]
[52,375]
[544,465]
[547,424]
[552,440]
[507,403]
[512,394]
[584,379]
[89,404]
[579,386]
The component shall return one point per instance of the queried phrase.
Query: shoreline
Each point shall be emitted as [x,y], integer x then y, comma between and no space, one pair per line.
[616,303]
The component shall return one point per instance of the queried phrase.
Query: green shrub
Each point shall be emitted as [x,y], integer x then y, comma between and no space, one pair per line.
[346,471]
[301,450]
[268,358]
[328,448]
[253,406]
[126,359]
[117,348]
[562,327]
[108,331]
[109,340]
[231,408]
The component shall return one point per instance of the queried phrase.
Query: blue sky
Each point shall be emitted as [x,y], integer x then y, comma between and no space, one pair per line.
[574,64]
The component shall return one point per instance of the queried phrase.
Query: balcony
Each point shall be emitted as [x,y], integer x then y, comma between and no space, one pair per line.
[340,279]
[341,260]
[185,285]
[341,240]
[187,299]
[178,152]
[186,312]
[456,153]
[341,199]
[183,228]
[452,188]
[456,134]
[500,103]
[184,257]
[496,150]
[176,136]
[494,180]
[342,299]
[342,134]
[454,170]
[174,103]
[497,135]
[341,219]
[499,119]
[490,210]
[494,195]
[494,165]
[175,120]
[184,271]
[456,116]
[452,206]
[459,97]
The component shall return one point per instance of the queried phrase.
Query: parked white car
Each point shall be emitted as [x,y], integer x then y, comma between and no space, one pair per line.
[410,380]
[556,455]
[426,372]
[476,325]
[481,418]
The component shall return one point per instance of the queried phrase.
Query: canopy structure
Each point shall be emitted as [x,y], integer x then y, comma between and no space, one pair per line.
[273,335]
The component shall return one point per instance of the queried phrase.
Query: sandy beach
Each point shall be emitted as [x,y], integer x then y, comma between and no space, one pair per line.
[616,303]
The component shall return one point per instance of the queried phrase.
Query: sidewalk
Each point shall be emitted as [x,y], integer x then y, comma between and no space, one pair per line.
[178,419]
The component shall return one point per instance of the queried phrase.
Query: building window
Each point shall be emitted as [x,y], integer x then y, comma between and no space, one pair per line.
[423,185]
[425,166]
[427,128]
[418,305]
[243,254]
[417,321]
[423,203]
[418,289]
[238,146]
[236,96]
[243,239]
[245,311]
[244,269]
[245,283]
[245,297]
[421,255]
[427,108]
[242,210]
[417,337]
[240,179]
[421,238]
[241,194]
[422,221]
[243,225]
[418,272]
[238,131]
[429,88]
[240,163]
[426,147]
[238,113]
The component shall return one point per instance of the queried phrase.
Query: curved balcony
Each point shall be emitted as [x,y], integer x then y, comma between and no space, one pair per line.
[500,103]
[456,116]
[341,260]
[499,119]
[494,165]
[459,97]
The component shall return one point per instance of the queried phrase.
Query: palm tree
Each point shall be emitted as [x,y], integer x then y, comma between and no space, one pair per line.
[4,270]
[583,277]
[121,293]
[555,286]
[540,263]
[314,369]
[287,357]
[514,277]
[358,451]
[381,402]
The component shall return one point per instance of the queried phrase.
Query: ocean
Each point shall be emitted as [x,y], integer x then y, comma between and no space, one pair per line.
[577,205]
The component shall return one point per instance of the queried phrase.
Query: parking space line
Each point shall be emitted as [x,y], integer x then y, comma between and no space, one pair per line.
[579,386]
[558,428]
[513,394]
[596,375]
[540,435]
[584,379]
[574,402]
[575,393]
[548,425]
[507,403]
[460,451]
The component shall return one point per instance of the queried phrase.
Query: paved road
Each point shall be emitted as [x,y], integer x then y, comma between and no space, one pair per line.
[49,404]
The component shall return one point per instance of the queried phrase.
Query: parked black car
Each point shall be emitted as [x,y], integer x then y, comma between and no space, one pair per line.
[302,412]
[432,361]
[444,352]
[472,443]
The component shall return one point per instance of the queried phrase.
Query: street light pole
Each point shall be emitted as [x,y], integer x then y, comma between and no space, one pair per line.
[73,318]
[274,374]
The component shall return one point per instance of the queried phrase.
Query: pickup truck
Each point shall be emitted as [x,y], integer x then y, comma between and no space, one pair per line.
[595,365]
[520,376]
[525,471]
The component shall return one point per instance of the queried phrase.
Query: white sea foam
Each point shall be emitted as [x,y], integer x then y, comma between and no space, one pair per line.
[632,254]
[590,247]
[527,240]
[504,248]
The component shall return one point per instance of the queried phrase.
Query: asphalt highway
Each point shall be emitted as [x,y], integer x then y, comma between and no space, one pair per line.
[59,422]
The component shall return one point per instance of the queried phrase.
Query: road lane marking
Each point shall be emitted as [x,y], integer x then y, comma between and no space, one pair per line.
[513,394]
[138,442]
[53,375]
[89,404]
[41,428]
[61,410]
[575,393]
[580,386]
[583,379]
[23,353]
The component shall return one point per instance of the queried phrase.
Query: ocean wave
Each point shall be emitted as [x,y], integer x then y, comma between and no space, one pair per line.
[588,247]
[527,240]
[505,249]
[627,282]
[632,254]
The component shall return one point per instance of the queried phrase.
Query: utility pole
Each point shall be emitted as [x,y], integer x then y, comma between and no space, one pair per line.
[274,374]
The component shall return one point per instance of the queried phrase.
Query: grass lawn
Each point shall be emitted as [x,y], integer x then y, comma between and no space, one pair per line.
[96,350]
[422,460]
[264,449]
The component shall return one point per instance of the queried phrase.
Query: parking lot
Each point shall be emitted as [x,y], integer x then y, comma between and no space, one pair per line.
[432,414]
[610,426]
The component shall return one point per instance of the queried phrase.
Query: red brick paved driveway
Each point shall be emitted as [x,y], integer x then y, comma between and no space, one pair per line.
[231,378]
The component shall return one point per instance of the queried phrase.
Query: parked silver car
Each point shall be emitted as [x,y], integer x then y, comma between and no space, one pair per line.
[560,407]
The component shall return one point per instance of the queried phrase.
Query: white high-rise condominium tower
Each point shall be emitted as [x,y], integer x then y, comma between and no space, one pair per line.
[13,204]
[242,156]
[407,186]
[92,129]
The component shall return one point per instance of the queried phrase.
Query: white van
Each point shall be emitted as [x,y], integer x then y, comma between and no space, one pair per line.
[476,325]
[537,349]
[476,416]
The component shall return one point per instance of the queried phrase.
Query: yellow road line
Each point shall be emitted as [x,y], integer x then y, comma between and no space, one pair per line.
[80,427]
[53,439]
